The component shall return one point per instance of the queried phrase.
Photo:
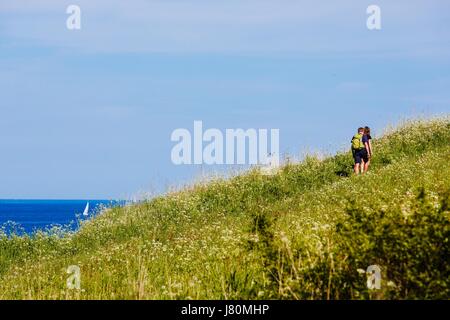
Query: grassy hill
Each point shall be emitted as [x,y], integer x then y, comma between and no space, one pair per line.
[308,232]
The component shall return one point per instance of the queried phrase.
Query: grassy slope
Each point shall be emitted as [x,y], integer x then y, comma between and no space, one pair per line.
[196,243]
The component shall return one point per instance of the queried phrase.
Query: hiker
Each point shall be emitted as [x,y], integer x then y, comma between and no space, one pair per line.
[367,141]
[359,151]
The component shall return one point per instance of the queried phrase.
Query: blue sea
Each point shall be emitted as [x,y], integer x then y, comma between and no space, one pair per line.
[27,216]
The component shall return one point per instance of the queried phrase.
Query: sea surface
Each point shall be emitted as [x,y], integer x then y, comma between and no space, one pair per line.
[27,216]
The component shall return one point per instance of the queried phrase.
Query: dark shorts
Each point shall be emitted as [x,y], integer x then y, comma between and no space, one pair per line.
[360,155]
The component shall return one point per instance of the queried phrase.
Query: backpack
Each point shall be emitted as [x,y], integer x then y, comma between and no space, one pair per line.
[357,143]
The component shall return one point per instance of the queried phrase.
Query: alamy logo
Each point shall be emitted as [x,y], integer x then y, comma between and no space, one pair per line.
[73,22]
[373,274]
[374,20]
[373,277]
[74,280]
[237,146]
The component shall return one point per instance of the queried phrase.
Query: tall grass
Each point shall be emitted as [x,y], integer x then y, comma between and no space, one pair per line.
[300,234]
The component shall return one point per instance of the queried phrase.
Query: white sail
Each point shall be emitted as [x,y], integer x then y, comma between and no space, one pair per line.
[86,210]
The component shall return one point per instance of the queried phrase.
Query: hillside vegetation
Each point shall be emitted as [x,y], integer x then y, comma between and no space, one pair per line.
[308,232]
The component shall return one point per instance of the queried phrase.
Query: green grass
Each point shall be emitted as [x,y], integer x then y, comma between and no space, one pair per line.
[301,234]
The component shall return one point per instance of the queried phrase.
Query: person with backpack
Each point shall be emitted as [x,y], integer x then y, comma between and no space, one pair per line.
[359,152]
[367,141]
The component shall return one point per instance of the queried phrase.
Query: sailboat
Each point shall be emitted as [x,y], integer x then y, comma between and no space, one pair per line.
[86,210]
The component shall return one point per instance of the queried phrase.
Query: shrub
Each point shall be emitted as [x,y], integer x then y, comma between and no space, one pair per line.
[409,243]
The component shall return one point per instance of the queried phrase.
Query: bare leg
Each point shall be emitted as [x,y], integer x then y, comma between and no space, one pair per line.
[357,165]
[366,166]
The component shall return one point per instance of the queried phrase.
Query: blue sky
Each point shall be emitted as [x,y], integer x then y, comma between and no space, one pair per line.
[89,113]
